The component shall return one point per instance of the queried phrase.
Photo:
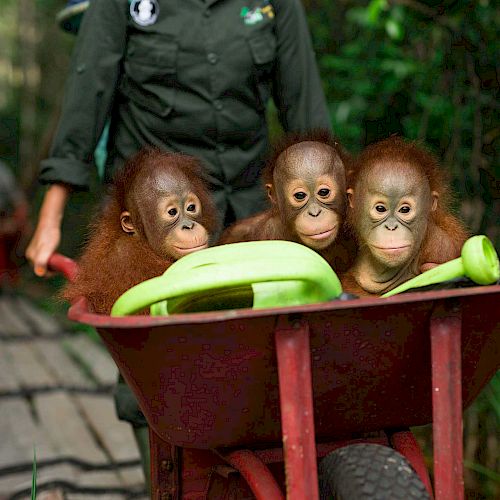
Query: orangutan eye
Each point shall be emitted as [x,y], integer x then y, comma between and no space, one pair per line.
[324,192]
[191,208]
[405,209]
[299,196]
[380,208]
[172,212]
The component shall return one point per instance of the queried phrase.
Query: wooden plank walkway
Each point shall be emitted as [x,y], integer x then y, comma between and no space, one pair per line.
[49,402]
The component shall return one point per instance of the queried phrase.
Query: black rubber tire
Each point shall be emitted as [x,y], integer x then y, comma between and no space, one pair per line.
[368,472]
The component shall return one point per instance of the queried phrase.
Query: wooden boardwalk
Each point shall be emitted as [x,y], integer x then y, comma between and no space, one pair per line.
[55,397]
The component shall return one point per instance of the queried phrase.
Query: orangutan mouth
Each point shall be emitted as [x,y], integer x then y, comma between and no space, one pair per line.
[322,235]
[186,250]
[392,249]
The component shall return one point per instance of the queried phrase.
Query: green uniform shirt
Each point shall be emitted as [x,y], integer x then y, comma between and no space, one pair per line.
[191,76]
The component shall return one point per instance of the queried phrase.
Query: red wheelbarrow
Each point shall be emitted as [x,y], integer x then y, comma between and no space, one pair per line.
[243,403]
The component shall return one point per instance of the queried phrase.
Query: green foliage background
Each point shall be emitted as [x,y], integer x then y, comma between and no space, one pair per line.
[425,69]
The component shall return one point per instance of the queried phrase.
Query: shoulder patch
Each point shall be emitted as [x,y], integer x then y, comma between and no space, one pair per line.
[144,12]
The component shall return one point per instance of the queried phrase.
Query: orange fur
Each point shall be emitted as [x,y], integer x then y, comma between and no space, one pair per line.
[270,224]
[114,261]
[445,233]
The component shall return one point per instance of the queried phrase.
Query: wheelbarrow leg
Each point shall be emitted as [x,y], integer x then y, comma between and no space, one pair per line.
[164,468]
[296,404]
[447,404]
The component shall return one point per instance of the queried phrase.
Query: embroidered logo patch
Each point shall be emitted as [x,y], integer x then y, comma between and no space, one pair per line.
[144,12]
[257,14]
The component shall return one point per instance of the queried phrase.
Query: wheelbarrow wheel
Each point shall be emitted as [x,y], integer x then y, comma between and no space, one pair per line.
[368,471]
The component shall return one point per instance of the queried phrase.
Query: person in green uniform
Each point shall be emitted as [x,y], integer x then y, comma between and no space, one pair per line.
[191,76]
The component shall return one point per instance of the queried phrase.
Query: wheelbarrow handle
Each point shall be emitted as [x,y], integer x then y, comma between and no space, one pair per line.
[64,265]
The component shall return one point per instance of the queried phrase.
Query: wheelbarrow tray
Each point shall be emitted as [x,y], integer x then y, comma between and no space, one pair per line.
[210,380]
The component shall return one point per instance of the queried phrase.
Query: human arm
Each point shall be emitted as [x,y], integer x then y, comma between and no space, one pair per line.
[297,89]
[94,73]
[93,76]
[47,234]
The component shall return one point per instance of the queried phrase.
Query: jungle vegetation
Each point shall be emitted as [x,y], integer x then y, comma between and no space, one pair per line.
[424,69]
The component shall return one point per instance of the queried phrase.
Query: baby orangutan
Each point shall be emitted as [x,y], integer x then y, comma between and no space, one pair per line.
[158,211]
[399,213]
[305,180]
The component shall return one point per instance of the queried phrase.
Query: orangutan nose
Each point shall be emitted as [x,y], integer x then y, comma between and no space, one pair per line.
[391,227]
[314,212]
[188,225]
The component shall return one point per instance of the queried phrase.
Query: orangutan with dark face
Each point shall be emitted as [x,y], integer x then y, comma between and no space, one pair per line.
[306,184]
[399,213]
[158,211]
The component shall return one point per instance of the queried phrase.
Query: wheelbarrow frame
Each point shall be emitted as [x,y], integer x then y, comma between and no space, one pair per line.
[292,337]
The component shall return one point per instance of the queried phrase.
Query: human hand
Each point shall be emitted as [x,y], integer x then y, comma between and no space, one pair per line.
[48,231]
[44,243]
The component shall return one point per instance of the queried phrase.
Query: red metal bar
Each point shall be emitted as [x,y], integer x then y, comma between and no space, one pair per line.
[296,404]
[405,443]
[447,403]
[275,455]
[257,475]
[68,267]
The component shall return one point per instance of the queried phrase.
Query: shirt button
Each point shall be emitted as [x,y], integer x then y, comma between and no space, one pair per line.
[81,68]
[221,148]
[218,105]
[212,58]
[207,13]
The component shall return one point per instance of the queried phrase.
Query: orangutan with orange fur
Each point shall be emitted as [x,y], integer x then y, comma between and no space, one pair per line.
[306,183]
[158,211]
[399,212]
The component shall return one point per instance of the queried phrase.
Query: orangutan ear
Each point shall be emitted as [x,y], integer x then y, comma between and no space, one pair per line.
[126,222]
[350,195]
[435,199]
[271,194]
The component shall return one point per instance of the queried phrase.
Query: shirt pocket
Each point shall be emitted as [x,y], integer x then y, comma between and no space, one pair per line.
[150,72]
[263,50]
